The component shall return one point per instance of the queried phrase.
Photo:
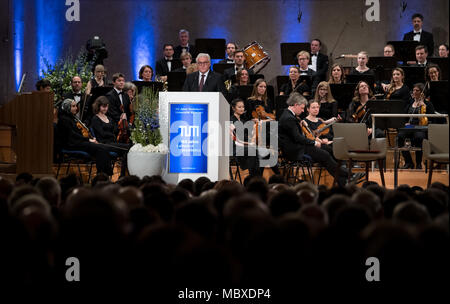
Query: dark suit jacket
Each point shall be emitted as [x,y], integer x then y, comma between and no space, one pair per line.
[192,50]
[213,83]
[162,69]
[228,73]
[83,102]
[290,136]
[114,110]
[426,39]
[226,60]
[321,67]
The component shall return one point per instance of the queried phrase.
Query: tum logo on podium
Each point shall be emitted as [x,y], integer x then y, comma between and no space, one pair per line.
[188,131]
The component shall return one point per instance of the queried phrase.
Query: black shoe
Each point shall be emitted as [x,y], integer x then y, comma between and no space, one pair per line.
[419,166]
[407,166]
[357,177]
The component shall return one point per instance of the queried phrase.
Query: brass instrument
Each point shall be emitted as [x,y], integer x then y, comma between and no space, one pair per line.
[227,84]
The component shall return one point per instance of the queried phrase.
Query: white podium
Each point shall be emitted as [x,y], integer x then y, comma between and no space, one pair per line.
[193,126]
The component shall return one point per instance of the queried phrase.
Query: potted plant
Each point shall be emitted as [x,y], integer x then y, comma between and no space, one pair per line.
[148,155]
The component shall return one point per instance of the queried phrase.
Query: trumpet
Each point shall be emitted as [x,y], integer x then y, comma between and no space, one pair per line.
[227,84]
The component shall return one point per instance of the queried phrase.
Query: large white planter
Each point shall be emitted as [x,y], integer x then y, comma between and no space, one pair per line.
[146,163]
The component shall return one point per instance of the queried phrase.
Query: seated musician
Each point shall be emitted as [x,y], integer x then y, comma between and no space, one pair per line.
[239,64]
[443,50]
[105,130]
[418,105]
[146,73]
[294,144]
[259,98]
[357,110]
[303,60]
[397,89]
[432,73]
[336,74]
[186,60]
[119,103]
[77,95]
[230,49]
[131,90]
[312,124]
[294,84]
[74,136]
[421,57]
[243,142]
[328,105]
[389,50]
[242,78]
[362,68]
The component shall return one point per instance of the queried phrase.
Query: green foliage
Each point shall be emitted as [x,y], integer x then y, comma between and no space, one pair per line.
[146,121]
[60,75]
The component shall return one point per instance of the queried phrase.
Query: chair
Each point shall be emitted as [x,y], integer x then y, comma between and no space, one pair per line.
[350,143]
[291,168]
[74,157]
[435,148]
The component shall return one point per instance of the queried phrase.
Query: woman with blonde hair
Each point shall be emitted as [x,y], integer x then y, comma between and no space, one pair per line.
[362,68]
[397,89]
[328,105]
[336,74]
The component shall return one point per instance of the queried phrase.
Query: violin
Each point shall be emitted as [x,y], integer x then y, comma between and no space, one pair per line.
[359,113]
[84,130]
[323,129]
[124,131]
[306,130]
[259,113]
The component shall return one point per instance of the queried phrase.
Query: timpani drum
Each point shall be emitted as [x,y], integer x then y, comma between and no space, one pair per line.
[255,56]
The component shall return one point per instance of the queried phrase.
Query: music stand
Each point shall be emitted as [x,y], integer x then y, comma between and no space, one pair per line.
[413,75]
[175,81]
[382,66]
[220,67]
[443,65]
[439,95]
[215,48]
[405,50]
[354,78]
[156,86]
[289,52]
[387,106]
[280,105]
[343,93]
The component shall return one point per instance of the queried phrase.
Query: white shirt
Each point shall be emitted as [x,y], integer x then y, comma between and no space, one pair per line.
[169,63]
[200,77]
[120,95]
[417,37]
[313,65]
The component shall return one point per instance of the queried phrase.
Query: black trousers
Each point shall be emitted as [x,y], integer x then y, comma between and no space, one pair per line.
[99,152]
[122,150]
[417,138]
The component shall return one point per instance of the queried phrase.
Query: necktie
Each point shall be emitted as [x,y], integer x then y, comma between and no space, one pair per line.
[202,82]
[77,94]
[416,33]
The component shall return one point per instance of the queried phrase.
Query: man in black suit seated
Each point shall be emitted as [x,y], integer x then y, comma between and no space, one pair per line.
[421,56]
[164,65]
[294,144]
[184,46]
[231,48]
[319,61]
[419,35]
[119,103]
[204,80]
[186,60]
[77,95]
[303,59]
[239,60]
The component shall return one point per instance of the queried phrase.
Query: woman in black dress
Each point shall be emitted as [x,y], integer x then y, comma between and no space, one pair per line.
[397,89]
[328,105]
[70,136]
[105,131]
[362,68]
[242,79]
[294,84]
[98,80]
[336,74]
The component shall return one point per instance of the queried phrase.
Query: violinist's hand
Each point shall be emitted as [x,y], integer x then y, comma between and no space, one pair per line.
[385,86]
[317,144]
[123,116]
[305,123]
[369,131]
[325,141]
[93,140]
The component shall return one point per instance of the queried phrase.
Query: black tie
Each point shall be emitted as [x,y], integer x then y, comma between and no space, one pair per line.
[418,33]
[77,94]
[314,55]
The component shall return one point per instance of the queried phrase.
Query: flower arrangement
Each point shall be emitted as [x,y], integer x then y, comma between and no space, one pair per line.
[61,73]
[145,134]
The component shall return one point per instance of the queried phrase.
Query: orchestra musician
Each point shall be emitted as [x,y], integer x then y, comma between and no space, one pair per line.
[294,84]
[295,145]
[185,46]
[230,49]
[432,73]
[73,135]
[186,60]
[419,35]
[146,73]
[389,50]
[397,89]
[303,58]
[119,103]
[328,105]
[336,74]
[443,50]
[239,64]
[319,61]
[242,79]
[421,56]
[418,105]
[315,124]
[43,85]
[164,65]
[259,98]
[98,80]
[77,94]
[244,146]
[106,131]
[362,68]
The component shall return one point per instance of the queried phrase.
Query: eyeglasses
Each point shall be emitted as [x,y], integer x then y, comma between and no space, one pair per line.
[202,63]
[302,58]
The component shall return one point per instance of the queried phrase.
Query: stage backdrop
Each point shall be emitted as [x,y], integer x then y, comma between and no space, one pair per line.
[135,30]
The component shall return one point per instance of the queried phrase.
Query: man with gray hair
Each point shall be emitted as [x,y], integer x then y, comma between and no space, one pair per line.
[204,80]
[295,145]
[184,46]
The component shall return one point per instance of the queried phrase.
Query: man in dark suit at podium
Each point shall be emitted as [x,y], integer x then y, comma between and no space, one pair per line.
[185,46]
[204,80]
[239,60]
[419,35]
[117,98]
[318,61]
